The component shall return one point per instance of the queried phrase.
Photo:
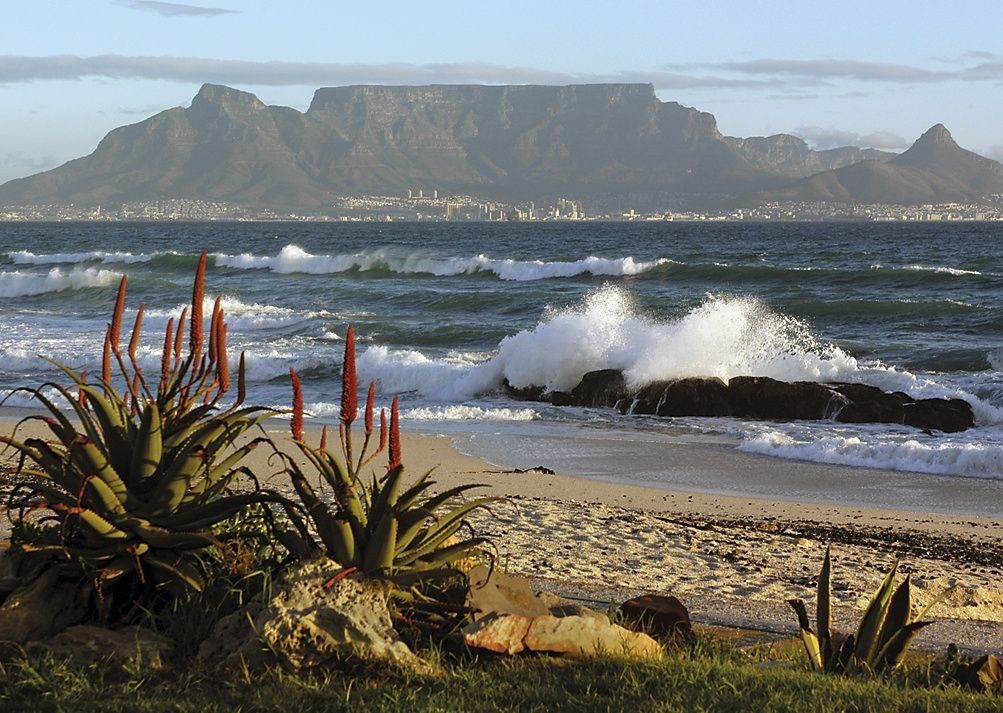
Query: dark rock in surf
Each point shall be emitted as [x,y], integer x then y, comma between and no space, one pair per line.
[526,393]
[763,398]
[600,388]
[760,397]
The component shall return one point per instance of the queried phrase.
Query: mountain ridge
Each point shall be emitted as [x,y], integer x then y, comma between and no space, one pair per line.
[507,142]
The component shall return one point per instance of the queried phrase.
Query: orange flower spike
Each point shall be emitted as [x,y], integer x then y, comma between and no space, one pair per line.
[180,334]
[394,456]
[323,438]
[165,358]
[116,317]
[370,406]
[383,430]
[136,329]
[198,296]
[349,383]
[297,422]
[106,358]
[223,368]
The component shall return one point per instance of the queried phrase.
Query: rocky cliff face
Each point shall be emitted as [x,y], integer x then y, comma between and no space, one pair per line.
[791,156]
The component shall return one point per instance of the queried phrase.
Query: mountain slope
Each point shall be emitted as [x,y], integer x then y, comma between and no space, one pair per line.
[933,170]
[791,156]
[506,142]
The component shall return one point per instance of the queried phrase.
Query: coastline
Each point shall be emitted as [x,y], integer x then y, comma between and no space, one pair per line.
[733,559]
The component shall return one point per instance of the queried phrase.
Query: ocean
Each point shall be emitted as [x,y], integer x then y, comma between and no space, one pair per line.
[444,312]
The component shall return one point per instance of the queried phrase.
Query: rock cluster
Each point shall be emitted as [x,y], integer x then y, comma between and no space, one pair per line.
[760,397]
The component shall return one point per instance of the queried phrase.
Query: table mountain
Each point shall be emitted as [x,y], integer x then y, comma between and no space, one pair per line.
[603,141]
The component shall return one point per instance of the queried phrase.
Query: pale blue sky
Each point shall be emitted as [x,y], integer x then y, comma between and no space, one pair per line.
[874,73]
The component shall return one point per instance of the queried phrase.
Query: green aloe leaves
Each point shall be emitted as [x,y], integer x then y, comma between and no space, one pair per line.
[385,528]
[137,480]
[883,636]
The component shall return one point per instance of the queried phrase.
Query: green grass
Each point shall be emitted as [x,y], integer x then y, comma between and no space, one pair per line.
[708,680]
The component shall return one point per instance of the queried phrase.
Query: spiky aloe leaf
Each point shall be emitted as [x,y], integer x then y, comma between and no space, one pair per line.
[808,637]
[149,446]
[379,554]
[823,614]
[899,611]
[891,654]
[868,632]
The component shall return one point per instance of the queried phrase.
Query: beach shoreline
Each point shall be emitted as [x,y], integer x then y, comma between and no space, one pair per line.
[733,559]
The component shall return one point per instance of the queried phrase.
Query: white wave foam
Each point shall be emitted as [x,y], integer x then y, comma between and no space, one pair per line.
[293,259]
[940,269]
[22,284]
[461,412]
[722,337]
[976,455]
[26,257]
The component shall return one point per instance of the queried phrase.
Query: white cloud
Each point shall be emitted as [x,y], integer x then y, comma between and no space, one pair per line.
[176,9]
[823,138]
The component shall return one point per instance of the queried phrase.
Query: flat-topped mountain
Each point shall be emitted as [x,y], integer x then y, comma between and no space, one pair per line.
[601,141]
[933,170]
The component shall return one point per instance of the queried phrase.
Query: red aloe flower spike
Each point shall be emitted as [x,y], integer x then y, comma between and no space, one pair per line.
[394,456]
[370,405]
[136,329]
[323,438]
[116,318]
[180,334]
[198,296]
[349,384]
[383,430]
[241,381]
[223,367]
[106,358]
[297,423]
[165,358]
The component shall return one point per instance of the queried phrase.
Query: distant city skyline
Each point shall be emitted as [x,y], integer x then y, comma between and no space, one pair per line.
[870,74]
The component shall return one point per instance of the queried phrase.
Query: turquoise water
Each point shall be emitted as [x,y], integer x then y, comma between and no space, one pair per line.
[444,312]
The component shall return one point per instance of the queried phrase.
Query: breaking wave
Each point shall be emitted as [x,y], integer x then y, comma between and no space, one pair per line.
[23,284]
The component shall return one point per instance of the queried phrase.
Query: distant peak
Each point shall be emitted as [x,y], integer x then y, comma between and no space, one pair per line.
[216,94]
[937,134]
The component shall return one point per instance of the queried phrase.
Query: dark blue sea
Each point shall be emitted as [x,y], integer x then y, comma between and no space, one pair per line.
[445,312]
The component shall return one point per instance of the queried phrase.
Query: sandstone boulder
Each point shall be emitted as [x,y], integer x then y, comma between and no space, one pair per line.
[583,636]
[301,624]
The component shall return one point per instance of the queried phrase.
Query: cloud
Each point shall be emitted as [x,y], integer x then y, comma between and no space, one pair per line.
[791,97]
[833,69]
[19,159]
[175,9]
[820,138]
[19,68]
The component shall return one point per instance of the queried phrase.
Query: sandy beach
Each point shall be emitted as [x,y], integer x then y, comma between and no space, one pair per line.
[733,560]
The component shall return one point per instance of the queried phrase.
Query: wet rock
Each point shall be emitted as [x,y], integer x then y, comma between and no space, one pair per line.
[695,397]
[525,393]
[600,388]
[948,415]
[761,397]
[648,399]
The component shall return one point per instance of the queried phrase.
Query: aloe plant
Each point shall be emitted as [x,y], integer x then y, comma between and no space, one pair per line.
[136,481]
[384,528]
[883,635]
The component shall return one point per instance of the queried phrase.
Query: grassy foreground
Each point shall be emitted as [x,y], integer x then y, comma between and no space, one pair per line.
[705,681]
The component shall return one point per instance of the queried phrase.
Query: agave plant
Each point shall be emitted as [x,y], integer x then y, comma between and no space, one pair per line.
[136,481]
[883,635]
[381,528]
